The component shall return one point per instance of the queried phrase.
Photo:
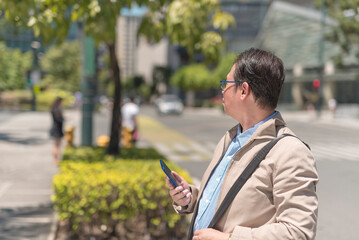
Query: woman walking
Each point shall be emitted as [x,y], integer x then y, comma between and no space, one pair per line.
[57,127]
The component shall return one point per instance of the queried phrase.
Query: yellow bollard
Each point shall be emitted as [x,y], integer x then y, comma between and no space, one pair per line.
[127,137]
[103,141]
[69,135]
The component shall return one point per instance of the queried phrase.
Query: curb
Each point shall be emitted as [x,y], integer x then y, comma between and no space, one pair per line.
[54,227]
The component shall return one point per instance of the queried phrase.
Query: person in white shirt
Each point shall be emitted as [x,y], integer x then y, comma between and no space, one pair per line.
[129,112]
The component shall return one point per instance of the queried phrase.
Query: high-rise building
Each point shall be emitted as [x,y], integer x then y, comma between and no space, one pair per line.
[137,56]
[127,25]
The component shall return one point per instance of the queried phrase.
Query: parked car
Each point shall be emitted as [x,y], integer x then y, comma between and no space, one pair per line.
[169,104]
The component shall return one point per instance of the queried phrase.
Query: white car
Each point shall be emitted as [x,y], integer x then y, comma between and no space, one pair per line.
[169,104]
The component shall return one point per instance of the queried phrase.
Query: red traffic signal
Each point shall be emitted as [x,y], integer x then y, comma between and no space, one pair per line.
[316,83]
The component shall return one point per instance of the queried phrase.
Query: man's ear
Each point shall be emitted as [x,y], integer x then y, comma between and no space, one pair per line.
[245,89]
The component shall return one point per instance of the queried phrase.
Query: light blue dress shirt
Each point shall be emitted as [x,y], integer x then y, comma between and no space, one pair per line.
[208,202]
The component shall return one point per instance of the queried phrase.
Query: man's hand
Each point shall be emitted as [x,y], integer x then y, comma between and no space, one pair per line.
[210,234]
[181,195]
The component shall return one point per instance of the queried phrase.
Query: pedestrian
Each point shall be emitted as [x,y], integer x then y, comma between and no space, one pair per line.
[279,199]
[57,127]
[332,105]
[78,99]
[129,112]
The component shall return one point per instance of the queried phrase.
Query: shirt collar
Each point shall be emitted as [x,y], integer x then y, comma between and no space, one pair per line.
[243,137]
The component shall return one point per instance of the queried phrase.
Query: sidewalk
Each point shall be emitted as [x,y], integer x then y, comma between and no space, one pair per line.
[26,171]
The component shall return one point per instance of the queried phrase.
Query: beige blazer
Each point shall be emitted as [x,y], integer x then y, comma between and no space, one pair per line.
[279,200]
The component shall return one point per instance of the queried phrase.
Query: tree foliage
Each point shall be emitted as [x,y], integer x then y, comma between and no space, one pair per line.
[51,19]
[13,68]
[192,77]
[66,75]
[346,12]
[199,77]
[224,66]
[187,23]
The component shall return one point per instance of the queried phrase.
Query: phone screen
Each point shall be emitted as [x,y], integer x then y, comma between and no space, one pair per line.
[169,174]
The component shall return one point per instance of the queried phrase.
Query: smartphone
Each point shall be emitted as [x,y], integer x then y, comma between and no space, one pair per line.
[169,174]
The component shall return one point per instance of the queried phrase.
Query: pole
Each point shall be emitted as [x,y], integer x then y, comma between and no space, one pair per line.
[88,86]
[35,73]
[319,103]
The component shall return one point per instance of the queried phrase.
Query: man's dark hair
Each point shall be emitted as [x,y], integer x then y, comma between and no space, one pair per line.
[264,72]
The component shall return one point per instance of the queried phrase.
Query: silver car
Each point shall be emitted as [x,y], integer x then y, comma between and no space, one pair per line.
[169,104]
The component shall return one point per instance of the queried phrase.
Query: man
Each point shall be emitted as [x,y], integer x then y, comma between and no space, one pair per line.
[129,112]
[279,200]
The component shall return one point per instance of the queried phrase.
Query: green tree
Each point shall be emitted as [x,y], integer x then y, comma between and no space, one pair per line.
[187,23]
[196,25]
[13,68]
[51,19]
[222,69]
[66,75]
[346,12]
[192,77]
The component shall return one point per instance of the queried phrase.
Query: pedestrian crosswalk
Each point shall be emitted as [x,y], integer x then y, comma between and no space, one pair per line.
[196,151]
[186,151]
[335,151]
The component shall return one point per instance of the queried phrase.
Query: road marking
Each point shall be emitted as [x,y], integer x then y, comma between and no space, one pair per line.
[32,191]
[211,146]
[163,149]
[181,148]
[336,152]
[200,148]
[4,187]
[32,219]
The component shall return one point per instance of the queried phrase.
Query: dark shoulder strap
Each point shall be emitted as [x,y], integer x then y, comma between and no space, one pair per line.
[248,171]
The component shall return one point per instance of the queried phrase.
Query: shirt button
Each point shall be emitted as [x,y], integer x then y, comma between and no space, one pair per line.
[218,179]
[207,201]
[229,157]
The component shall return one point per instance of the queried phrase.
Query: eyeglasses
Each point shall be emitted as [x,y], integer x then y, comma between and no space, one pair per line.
[224,83]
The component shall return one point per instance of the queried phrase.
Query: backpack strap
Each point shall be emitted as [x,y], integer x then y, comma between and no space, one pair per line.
[241,180]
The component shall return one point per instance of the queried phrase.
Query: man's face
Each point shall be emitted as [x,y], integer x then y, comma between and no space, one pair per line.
[230,94]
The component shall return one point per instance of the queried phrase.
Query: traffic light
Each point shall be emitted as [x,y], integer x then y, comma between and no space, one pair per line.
[316,84]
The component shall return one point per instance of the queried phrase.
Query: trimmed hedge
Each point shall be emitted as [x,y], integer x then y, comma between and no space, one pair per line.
[125,199]
[22,99]
[96,154]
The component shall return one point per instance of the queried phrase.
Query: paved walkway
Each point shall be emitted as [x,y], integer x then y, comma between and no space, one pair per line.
[26,171]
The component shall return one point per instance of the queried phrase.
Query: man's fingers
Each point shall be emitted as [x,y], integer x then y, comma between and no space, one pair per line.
[175,191]
[169,184]
[178,196]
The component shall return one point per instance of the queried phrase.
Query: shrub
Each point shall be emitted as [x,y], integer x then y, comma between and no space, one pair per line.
[115,198]
[44,99]
[91,154]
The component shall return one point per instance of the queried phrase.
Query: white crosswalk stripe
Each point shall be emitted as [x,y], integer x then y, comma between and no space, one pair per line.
[196,151]
[335,152]
[188,151]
